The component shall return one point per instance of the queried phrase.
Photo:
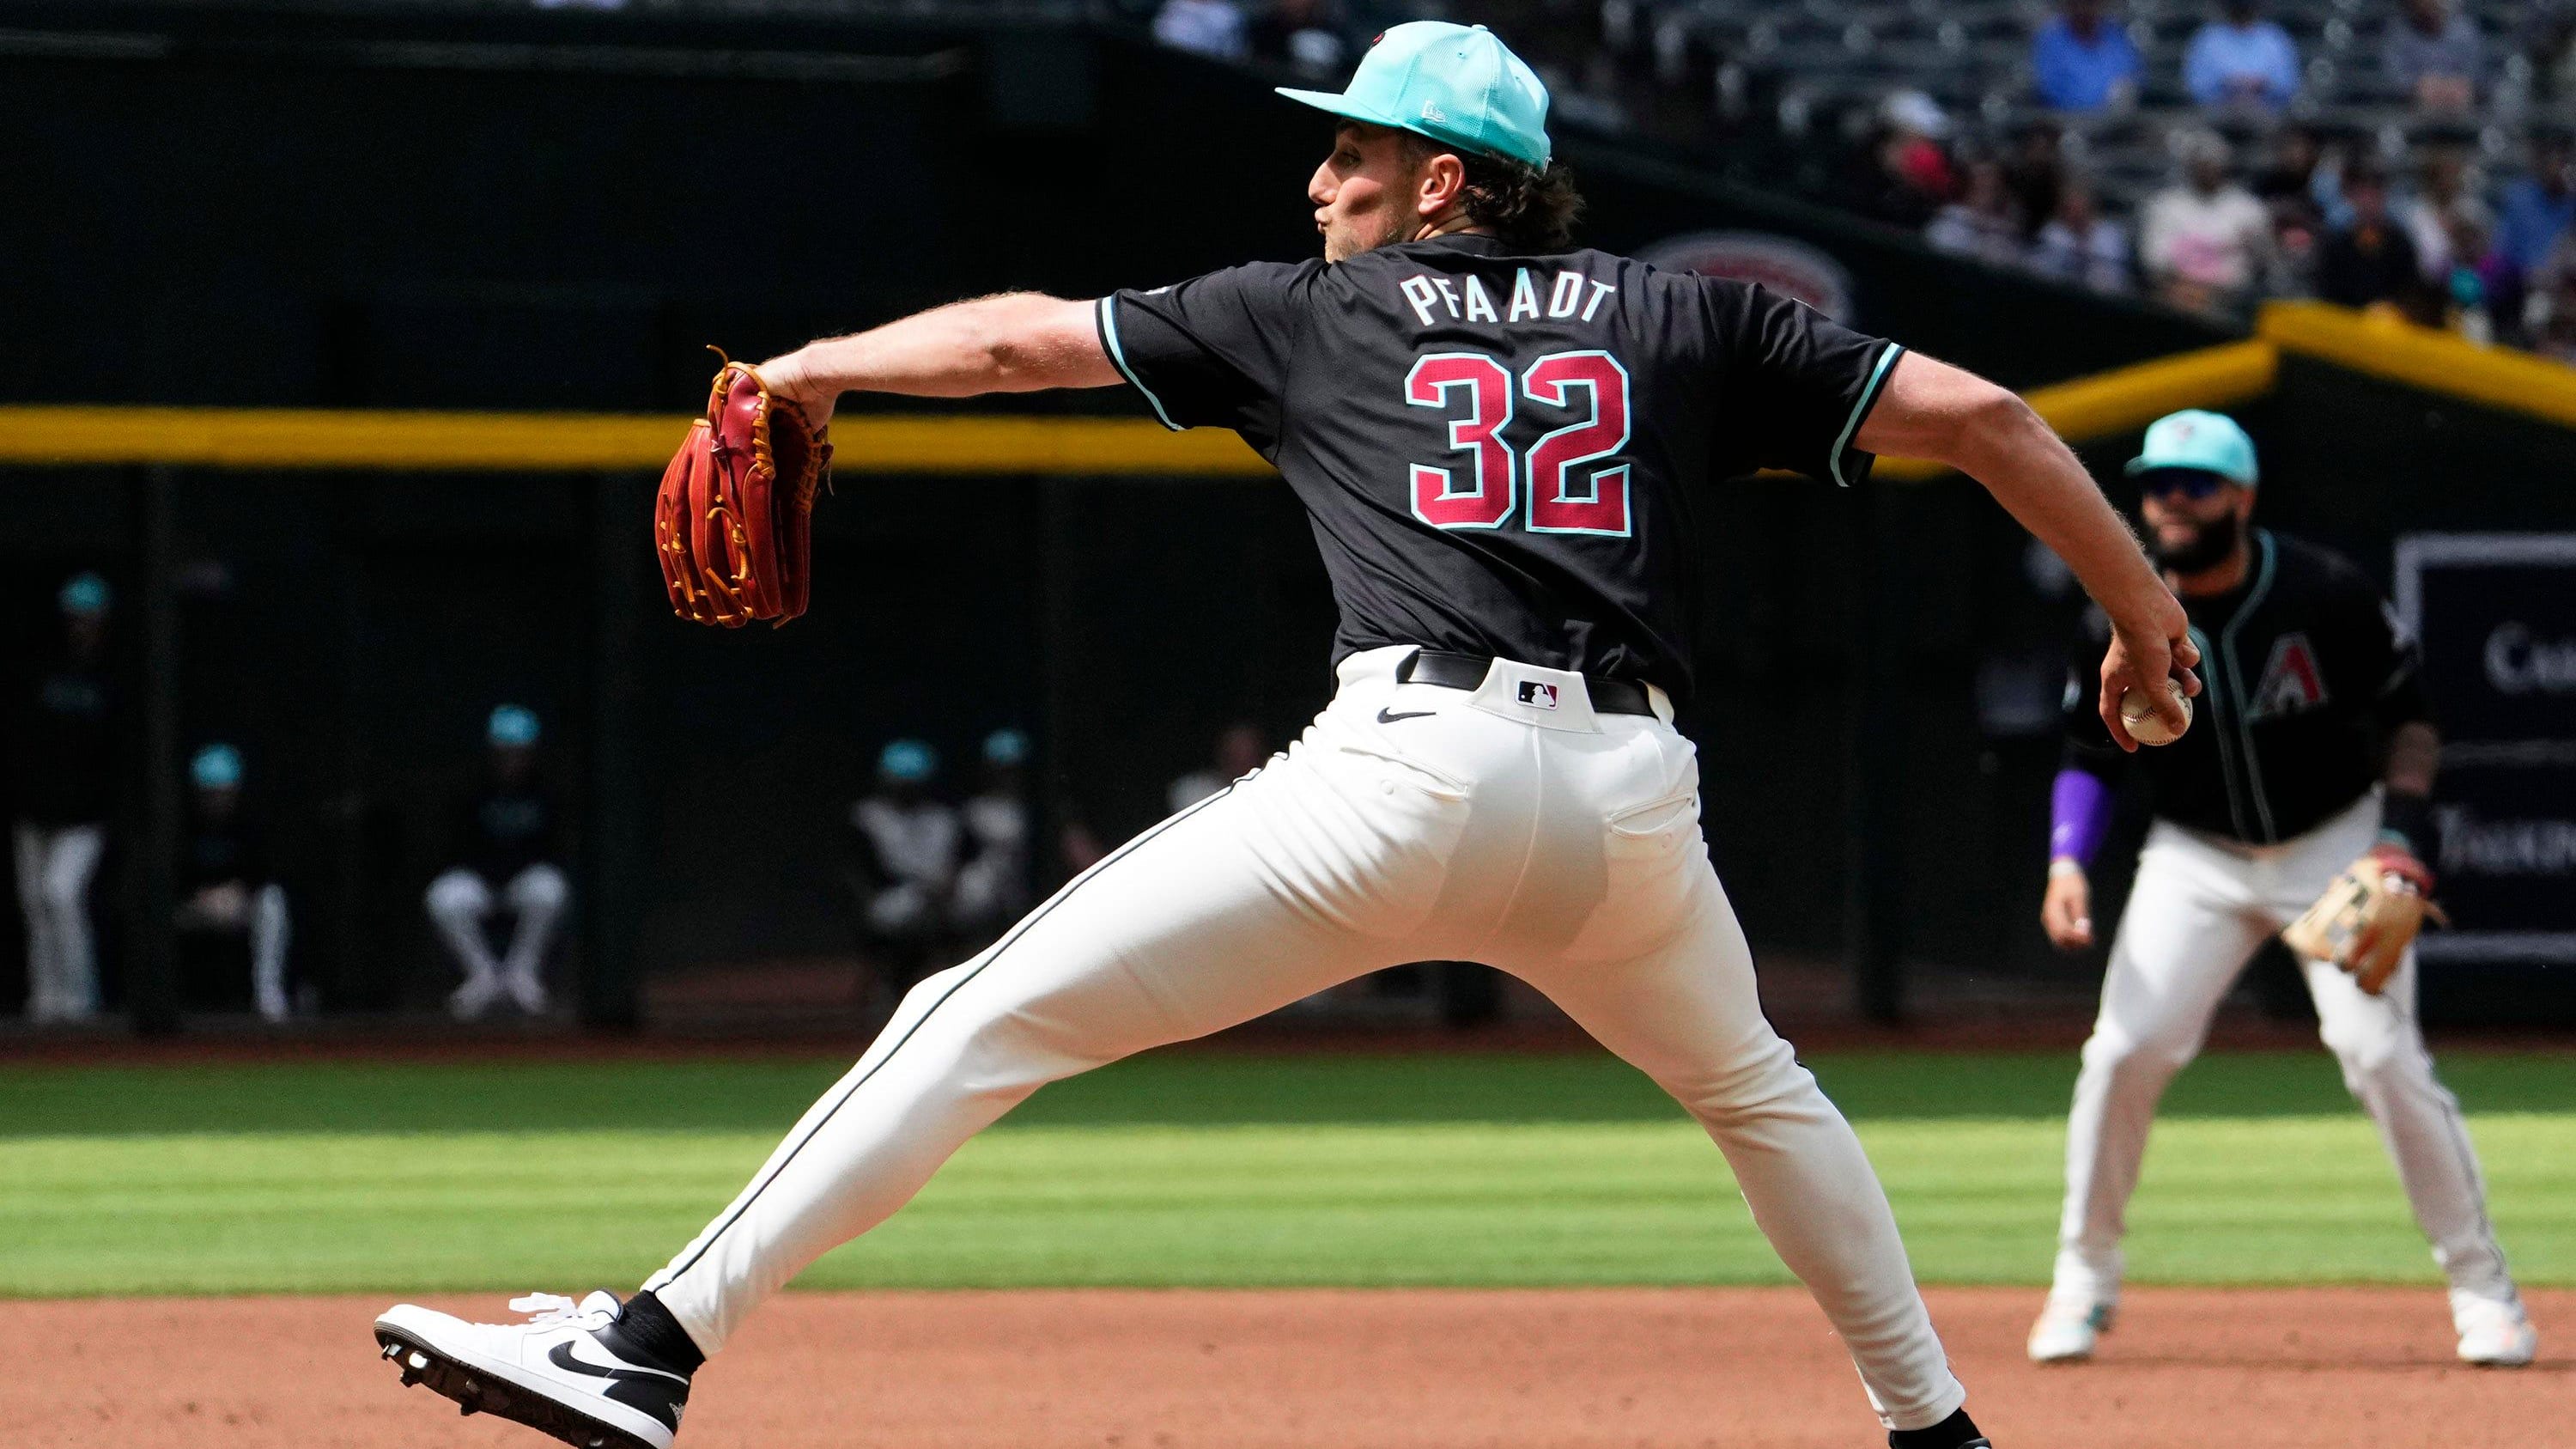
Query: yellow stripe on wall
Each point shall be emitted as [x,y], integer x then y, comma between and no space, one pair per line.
[2121,400]
[540,442]
[2425,357]
[2129,398]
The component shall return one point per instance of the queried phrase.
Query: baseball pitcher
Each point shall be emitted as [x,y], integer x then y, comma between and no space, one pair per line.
[2301,801]
[1498,441]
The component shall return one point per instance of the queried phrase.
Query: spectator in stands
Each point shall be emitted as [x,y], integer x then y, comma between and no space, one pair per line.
[1240,749]
[2434,55]
[228,894]
[1305,35]
[2081,61]
[2206,241]
[993,881]
[2468,284]
[1982,223]
[1911,176]
[2556,334]
[2079,244]
[503,848]
[62,766]
[905,848]
[2539,207]
[2549,46]
[2444,195]
[2289,187]
[2372,261]
[1203,27]
[2241,60]
[2034,174]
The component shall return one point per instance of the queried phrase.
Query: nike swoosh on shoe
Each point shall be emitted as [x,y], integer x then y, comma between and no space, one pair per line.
[645,1390]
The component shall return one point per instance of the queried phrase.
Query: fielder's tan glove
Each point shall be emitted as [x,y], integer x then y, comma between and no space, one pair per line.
[2368,917]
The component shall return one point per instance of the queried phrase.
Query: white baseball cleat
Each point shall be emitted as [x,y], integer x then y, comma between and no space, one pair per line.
[2068,1329]
[2494,1333]
[563,1372]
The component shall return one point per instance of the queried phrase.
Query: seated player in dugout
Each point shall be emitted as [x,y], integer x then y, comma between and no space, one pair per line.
[2317,751]
[904,844]
[229,898]
[994,824]
[1497,438]
[503,848]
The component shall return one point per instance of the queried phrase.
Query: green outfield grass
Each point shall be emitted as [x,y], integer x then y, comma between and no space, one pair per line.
[1194,1169]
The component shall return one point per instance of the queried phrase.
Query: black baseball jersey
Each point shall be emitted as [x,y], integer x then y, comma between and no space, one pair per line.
[2304,669]
[219,851]
[503,830]
[62,748]
[1497,451]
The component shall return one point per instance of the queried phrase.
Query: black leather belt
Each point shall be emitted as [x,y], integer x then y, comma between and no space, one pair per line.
[1467,671]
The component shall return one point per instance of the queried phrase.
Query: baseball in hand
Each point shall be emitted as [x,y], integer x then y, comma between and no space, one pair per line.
[2145,725]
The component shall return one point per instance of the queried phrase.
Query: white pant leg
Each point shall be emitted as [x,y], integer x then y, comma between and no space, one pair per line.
[268,937]
[537,897]
[44,956]
[2381,1049]
[71,863]
[2379,1043]
[1296,879]
[458,901]
[2192,922]
[1686,1014]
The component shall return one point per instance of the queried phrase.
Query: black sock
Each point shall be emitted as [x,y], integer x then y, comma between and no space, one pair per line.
[647,1328]
[1955,1432]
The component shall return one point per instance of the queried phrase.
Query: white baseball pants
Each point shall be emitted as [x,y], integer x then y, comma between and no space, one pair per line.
[460,901]
[1557,845]
[56,864]
[2196,915]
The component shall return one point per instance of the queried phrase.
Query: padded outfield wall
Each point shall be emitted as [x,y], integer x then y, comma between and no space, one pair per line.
[275,210]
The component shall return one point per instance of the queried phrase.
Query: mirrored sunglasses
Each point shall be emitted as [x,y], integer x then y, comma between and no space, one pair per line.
[2192,483]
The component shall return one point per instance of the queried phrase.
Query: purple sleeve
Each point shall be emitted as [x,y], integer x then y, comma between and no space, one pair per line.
[2079,811]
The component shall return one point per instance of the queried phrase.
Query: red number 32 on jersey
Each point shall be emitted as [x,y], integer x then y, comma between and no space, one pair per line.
[1573,487]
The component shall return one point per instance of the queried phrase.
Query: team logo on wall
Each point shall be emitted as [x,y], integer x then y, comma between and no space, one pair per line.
[1784,264]
[2291,682]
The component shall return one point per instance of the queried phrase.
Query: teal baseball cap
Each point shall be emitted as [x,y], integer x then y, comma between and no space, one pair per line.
[1457,84]
[910,761]
[2205,442]
[511,726]
[216,767]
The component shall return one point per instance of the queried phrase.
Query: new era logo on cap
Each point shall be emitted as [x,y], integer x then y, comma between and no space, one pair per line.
[1538,695]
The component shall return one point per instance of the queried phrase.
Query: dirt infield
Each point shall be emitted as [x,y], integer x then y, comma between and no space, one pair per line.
[1590,1369]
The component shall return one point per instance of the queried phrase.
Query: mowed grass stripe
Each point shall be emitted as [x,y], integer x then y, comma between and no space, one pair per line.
[1085,1195]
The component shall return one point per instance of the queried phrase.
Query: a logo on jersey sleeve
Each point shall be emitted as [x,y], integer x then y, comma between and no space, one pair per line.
[2291,682]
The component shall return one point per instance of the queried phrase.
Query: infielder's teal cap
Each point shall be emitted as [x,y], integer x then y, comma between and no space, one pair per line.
[2203,441]
[216,767]
[1453,83]
[512,725]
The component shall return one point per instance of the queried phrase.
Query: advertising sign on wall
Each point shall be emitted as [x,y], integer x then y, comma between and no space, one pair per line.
[2497,616]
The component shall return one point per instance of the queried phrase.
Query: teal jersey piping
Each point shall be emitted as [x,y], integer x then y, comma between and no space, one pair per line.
[1108,317]
[1860,410]
[2236,679]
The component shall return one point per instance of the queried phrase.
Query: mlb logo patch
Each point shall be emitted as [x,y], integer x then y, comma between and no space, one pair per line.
[1538,695]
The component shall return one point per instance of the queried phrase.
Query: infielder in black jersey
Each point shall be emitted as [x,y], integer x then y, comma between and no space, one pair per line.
[2315,746]
[1498,441]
